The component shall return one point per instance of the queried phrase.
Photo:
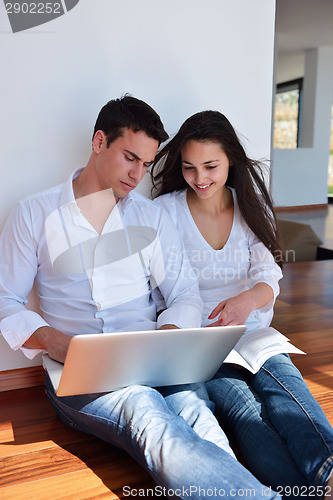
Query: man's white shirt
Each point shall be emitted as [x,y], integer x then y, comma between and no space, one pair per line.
[91,283]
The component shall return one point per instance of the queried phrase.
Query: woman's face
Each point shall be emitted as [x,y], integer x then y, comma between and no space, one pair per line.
[205,167]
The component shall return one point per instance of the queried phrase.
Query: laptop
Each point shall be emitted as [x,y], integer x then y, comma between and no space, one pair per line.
[105,362]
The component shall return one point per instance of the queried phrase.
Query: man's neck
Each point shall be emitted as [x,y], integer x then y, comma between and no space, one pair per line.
[95,206]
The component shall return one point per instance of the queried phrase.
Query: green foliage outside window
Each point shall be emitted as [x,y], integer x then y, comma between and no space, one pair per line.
[286,119]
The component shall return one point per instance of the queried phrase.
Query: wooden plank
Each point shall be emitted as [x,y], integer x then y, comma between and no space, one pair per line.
[83,485]
[303,318]
[313,342]
[114,467]
[326,402]
[18,469]
[320,362]
[320,383]
[25,459]
[302,208]
[21,378]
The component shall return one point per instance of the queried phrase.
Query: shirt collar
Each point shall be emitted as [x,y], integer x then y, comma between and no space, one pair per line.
[126,202]
[67,194]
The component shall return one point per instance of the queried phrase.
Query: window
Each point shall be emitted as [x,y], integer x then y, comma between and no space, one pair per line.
[287,114]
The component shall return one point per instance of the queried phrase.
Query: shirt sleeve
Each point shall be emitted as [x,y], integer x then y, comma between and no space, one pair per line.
[263,268]
[158,299]
[18,268]
[175,278]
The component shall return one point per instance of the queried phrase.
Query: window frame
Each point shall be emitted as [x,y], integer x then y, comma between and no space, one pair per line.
[296,84]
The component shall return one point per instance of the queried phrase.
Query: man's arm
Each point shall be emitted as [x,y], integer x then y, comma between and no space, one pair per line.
[168,327]
[177,281]
[18,268]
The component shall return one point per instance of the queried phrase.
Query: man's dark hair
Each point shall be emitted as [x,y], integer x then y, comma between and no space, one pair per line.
[131,113]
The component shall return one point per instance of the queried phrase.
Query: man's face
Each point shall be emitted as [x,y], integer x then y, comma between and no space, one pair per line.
[122,165]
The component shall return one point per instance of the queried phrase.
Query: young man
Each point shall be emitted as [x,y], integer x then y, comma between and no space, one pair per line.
[96,249]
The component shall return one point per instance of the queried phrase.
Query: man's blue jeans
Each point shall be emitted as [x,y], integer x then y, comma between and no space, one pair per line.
[281,430]
[179,454]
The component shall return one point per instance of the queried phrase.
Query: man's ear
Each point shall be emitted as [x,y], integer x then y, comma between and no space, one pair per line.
[98,140]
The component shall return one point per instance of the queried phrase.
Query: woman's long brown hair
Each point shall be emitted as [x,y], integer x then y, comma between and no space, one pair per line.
[245,175]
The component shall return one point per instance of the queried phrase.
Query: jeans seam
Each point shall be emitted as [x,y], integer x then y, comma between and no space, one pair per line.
[254,407]
[300,405]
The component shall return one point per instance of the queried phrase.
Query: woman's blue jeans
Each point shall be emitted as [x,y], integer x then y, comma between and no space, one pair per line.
[280,428]
[172,436]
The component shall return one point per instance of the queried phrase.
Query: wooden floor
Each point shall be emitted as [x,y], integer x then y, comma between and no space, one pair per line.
[41,458]
[304,313]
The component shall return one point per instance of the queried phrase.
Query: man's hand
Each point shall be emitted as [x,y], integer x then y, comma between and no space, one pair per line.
[51,340]
[168,327]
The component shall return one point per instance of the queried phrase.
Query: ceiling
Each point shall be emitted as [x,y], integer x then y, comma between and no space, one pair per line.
[303,24]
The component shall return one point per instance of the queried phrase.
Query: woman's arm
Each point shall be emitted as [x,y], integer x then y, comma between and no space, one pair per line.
[236,310]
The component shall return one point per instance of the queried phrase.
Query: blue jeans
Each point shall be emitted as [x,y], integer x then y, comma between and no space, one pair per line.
[163,434]
[280,429]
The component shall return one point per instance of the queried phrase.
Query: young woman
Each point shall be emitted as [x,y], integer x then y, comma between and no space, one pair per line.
[217,197]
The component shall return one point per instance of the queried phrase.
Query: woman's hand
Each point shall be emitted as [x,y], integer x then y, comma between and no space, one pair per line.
[233,311]
[236,310]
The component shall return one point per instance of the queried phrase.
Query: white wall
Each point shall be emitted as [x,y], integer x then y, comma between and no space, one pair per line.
[299,176]
[180,56]
[290,66]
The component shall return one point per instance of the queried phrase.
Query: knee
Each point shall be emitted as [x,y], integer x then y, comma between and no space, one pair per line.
[139,403]
[139,390]
[235,400]
[191,404]
[137,396]
[227,391]
[281,364]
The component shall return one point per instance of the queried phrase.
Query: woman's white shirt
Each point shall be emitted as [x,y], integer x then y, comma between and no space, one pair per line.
[238,266]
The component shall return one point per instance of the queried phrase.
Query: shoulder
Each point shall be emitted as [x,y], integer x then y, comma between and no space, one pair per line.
[139,198]
[176,196]
[42,196]
[171,202]
[38,206]
[143,210]
[140,202]
[30,213]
